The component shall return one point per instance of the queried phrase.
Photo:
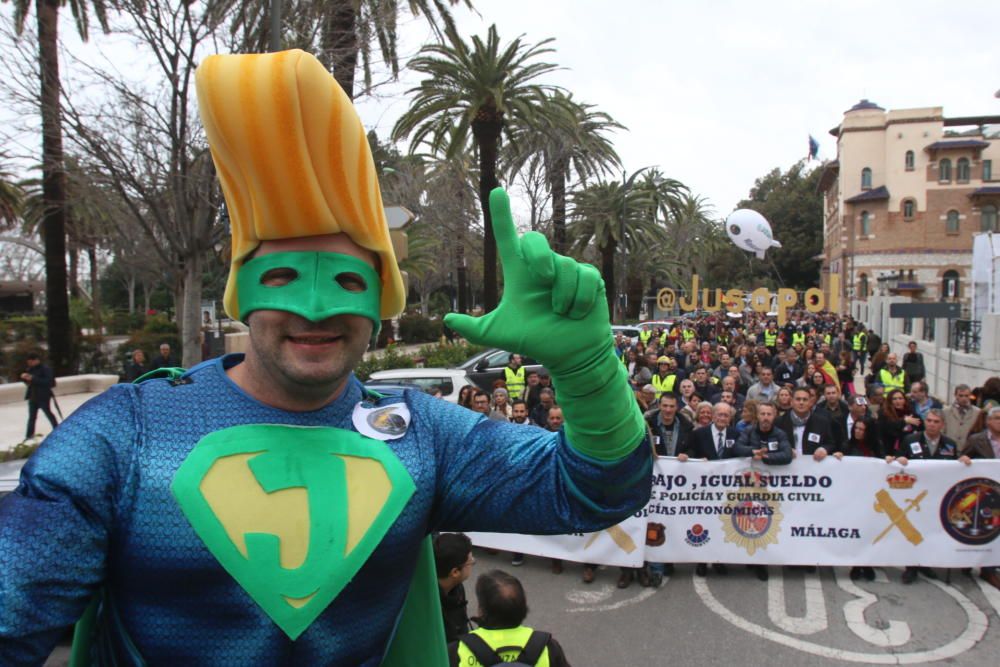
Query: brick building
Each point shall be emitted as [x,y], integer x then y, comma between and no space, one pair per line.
[903,199]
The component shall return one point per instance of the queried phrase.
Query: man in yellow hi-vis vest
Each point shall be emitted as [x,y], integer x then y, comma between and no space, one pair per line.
[892,376]
[513,375]
[501,638]
[665,377]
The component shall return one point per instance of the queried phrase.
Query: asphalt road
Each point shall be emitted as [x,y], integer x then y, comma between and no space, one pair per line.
[794,619]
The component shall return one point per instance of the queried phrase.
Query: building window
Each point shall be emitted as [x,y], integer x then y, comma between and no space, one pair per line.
[944,171]
[909,160]
[866,223]
[929,328]
[949,285]
[962,170]
[987,170]
[866,179]
[909,208]
[863,286]
[907,326]
[951,226]
[989,218]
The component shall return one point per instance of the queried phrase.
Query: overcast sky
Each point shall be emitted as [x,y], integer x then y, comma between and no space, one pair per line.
[717,93]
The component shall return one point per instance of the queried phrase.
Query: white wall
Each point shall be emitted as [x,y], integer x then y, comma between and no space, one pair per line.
[945,367]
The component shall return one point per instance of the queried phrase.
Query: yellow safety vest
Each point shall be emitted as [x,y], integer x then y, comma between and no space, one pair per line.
[770,338]
[688,335]
[515,381]
[798,338]
[890,381]
[827,338]
[859,341]
[662,385]
[644,336]
[507,643]
[663,339]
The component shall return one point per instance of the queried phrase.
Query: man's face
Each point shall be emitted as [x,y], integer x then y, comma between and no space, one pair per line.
[668,408]
[465,571]
[687,387]
[481,403]
[515,361]
[993,424]
[729,384]
[831,394]
[721,416]
[734,372]
[165,350]
[878,397]
[820,359]
[801,402]
[533,380]
[727,397]
[555,419]
[891,360]
[858,411]
[648,395]
[791,357]
[545,399]
[963,397]
[765,416]
[700,376]
[297,357]
[139,356]
[933,425]
[766,375]
[919,394]
[519,412]
[725,360]
[663,368]
[33,362]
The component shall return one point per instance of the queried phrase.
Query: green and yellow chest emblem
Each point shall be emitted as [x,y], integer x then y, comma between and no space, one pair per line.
[292,513]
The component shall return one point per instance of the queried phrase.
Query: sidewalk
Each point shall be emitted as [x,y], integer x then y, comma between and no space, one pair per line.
[14,418]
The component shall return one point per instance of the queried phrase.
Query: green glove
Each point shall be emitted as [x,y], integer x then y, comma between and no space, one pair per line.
[554,309]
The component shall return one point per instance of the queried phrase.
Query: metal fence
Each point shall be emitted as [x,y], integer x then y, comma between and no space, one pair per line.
[963,336]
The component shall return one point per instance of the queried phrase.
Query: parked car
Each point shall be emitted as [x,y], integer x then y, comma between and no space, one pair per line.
[449,380]
[10,475]
[485,368]
[630,330]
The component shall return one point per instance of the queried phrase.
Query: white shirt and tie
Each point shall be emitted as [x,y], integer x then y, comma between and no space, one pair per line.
[719,437]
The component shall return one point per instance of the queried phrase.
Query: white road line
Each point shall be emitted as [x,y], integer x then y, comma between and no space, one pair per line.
[813,621]
[645,594]
[973,633]
[591,596]
[992,594]
[898,632]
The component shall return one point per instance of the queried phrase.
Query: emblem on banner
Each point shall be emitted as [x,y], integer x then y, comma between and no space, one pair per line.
[884,504]
[753,516]
[655,534]
[697,535]
[970,511]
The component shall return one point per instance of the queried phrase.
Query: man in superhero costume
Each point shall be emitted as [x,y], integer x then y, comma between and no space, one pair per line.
[265,509]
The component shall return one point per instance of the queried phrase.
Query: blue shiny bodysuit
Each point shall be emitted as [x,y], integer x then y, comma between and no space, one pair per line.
[94,509]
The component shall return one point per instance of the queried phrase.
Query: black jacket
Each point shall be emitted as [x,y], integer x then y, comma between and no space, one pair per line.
[39,390]
[818,433]
[702,445]
[160,362]
[838,421]
[779,451]
[915,447]
[653,420]
[454,607]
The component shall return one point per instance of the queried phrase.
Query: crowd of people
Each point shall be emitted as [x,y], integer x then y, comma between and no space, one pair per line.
[714,388]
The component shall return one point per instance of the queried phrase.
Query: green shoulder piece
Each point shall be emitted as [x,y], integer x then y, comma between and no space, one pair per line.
[164,373]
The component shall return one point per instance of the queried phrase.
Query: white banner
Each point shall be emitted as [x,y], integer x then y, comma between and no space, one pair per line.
[857,511]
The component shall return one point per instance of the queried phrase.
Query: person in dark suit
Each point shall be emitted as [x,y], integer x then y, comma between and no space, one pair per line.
[40,380]
[810,433]
[670,429]
[835,409]
[931,443]
[986,445]
[713,442]
[165,359]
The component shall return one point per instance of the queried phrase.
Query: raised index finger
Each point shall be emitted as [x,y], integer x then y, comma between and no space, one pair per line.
[503,226]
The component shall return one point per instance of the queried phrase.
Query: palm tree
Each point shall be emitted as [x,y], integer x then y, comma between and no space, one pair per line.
[11,200]
[571,140]
[483,90]
[340,31]
[58,330]
[608,215]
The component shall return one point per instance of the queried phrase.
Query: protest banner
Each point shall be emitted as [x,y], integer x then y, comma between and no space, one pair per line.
[854,511]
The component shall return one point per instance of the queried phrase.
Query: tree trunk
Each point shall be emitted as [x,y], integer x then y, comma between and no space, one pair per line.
[487,133]
[461,273]
[130,288]
[58,328]
[147,294]
[190,321]
[74,270]
[95,289]
[558,185]
[608,273]
[339,41]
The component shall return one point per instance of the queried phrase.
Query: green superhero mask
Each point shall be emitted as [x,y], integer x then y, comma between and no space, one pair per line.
[319,285]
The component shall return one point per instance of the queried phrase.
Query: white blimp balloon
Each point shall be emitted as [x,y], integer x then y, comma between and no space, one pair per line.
[750,231]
